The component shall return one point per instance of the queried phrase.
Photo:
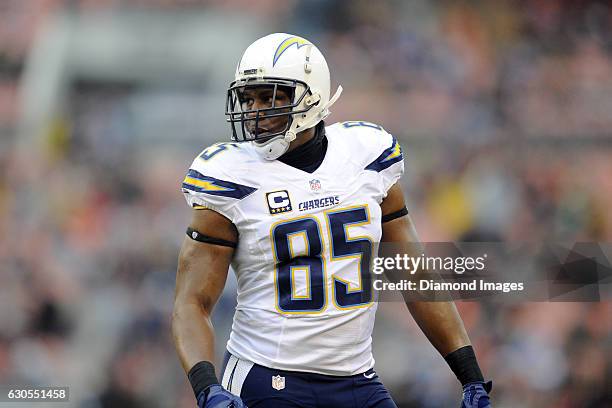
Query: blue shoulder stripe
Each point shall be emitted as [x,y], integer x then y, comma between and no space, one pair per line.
[196,181]
[390,156]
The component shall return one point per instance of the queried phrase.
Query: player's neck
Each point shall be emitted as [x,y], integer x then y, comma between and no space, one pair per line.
[309,154]
[302,138]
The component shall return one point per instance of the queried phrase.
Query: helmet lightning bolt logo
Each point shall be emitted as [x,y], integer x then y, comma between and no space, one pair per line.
[288,42]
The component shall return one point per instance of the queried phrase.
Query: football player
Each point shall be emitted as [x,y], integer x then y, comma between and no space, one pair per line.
[297,209]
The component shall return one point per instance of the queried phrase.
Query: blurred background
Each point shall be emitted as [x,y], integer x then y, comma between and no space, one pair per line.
[503,108]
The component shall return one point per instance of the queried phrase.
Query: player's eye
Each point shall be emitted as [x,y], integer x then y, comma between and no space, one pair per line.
[282,99]
[247,102]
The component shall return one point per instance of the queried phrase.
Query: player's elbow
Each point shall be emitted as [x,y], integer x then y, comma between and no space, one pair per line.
[188,307]
[185,312]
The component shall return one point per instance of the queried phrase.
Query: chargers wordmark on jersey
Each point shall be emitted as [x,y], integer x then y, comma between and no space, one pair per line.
[319,203]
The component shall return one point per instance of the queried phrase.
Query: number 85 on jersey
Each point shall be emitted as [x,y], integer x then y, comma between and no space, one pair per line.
[311,263]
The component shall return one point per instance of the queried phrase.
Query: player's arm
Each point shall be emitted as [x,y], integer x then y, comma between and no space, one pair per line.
[202,271]
[439,321]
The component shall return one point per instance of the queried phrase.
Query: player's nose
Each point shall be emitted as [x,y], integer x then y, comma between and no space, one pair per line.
[257,104]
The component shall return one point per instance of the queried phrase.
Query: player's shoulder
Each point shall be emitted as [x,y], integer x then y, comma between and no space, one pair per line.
[366,142]
[217,171]
[222,158]
[360,135]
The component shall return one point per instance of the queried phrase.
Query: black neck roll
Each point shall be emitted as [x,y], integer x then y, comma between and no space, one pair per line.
[309,156]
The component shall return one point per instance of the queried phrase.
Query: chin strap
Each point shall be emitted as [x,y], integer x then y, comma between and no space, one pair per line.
[325,111]
[275,147]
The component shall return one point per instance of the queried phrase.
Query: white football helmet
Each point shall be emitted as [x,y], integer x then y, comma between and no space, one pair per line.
[280,61]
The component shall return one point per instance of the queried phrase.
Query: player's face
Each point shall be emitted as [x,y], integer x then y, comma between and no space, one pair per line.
[263,97]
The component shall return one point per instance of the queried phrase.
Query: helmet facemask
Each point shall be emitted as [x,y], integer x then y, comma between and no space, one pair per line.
[250,124]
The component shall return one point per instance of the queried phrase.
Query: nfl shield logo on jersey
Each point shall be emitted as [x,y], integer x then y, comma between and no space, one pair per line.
[278,382]
[315,185]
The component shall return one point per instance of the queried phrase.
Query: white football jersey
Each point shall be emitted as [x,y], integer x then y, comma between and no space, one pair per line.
[306,241]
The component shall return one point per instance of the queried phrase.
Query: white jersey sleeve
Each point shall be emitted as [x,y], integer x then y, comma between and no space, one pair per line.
[375,149]
[206,185]
[390,162]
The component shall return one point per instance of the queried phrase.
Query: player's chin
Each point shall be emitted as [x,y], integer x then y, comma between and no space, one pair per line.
[260,136]
[264,135]
[263,139]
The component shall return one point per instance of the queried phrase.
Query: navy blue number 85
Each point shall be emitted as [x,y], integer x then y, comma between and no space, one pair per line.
[313,264]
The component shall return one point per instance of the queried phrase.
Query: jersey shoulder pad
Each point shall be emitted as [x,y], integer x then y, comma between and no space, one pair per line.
[371,144]
[209,183]
[224,155]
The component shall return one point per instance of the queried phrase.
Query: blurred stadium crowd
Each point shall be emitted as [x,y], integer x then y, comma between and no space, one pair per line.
[502,107]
